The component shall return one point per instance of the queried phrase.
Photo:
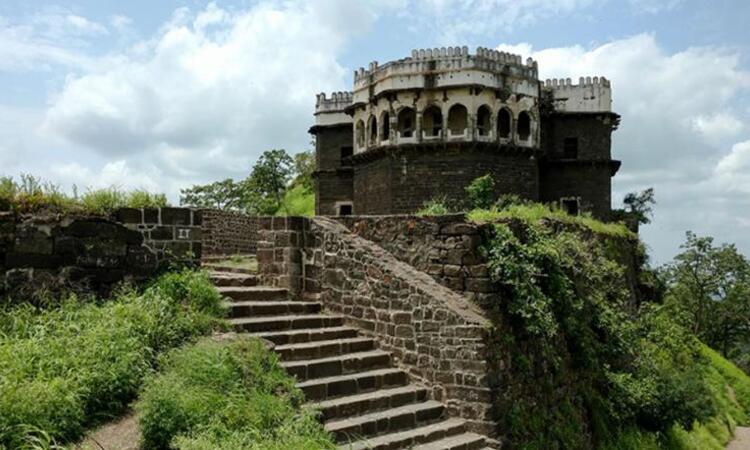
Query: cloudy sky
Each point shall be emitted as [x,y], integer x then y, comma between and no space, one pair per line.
[165,94]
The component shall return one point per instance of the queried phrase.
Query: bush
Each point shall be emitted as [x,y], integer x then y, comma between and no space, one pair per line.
[67,368]
[298,201]
[226,395]
[434,207]
[481,192]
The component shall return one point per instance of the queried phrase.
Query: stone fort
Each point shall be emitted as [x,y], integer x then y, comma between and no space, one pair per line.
[423,127]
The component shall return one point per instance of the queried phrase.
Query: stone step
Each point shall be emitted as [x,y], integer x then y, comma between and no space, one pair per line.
[308,335]
[271,308]
[252,293]
[388,421]
[337,365]
[409,438]
[319,389]
[324,349]
[278,323]
[465,441]
[221,268]
[225,279]
[381,399]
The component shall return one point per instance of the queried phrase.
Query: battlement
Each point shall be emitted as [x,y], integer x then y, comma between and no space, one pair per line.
[338,102]
[447,59]
[589,95]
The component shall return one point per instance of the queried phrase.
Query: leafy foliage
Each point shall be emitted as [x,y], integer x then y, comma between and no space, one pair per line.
[435,207]
[640,205]
[298,201]
[226,395]
[225,194]
[603,370]
[481,192]
[66,368]
[709,289]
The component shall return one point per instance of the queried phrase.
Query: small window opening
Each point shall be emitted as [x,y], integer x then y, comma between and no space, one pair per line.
[386,127]
[373,125]
[570,206]
[570,147]
[345,209]
[346,156]
[433,121]
[406,120]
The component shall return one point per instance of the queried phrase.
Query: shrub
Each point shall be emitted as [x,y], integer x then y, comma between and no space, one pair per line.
[226,395]
[481,192]
[298,201]
[67,368]
[434,207]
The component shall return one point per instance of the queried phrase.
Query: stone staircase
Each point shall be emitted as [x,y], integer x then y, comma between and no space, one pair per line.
[365,402]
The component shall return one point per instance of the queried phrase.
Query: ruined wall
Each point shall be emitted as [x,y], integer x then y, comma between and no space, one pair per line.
[434,333]
[228,233]
[401,181]
[449,248]
[333,176]
[92,254]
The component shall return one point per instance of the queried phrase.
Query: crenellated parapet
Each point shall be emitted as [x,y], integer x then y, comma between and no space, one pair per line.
[589,95]
[331,110]
[440,68]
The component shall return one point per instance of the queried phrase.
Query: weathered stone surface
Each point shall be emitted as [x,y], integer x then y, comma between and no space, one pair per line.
[227,233]
[175,216]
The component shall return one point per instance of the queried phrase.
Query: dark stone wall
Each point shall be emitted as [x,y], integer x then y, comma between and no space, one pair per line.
[92,254]
[228,233]
[593,131]
[591,181]
[333,179]
[401,181]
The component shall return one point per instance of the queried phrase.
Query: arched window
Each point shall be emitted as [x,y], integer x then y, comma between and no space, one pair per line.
[483,120]
[385,126]
[524,126]
[372,125]
[503,123]
[360,134]
[407,120]
[432,121]
[458,118]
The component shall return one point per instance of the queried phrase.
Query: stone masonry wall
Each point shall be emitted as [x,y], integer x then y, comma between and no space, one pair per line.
[434,333]
[446,247]
[93,254]
[229,233]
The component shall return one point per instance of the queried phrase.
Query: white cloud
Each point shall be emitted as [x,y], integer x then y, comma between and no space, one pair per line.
[213,89]
[733,170]
[654,6]
[717,126]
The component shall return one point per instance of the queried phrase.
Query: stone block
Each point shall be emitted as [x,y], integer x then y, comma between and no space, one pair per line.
[481,285]
[151,216]
[35,243]
[178,249]
[175,216]
[162,233]
[197,250]
[197,217]
[129,215]
[457,229]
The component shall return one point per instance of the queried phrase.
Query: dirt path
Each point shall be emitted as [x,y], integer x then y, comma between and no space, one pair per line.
[741,439]
[122,434]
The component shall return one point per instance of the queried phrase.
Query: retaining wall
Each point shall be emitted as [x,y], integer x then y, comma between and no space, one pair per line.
[229,233]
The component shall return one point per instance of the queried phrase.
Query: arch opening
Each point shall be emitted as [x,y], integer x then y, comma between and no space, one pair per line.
[503,123]
[483,120]
[360,134]
[432,121]
[524,126]
[407,119]
[385,127]
[372,125]
[458,119]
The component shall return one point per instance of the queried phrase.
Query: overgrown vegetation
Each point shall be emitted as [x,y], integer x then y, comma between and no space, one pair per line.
[607,373]
[278,184]
[30,194]
[65,369]
[225,396]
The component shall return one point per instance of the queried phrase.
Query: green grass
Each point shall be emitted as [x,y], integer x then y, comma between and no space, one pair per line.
[536,212]
[31,194]
[229,394]
[298,201]
[238,262]
[68,368]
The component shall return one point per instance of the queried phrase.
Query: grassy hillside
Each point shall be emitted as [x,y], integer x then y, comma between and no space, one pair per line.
[298,201]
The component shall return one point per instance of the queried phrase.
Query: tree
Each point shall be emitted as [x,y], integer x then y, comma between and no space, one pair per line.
[304,166]
[481,192]
[710,286]
[268,182]
[640,205]
[226,194]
